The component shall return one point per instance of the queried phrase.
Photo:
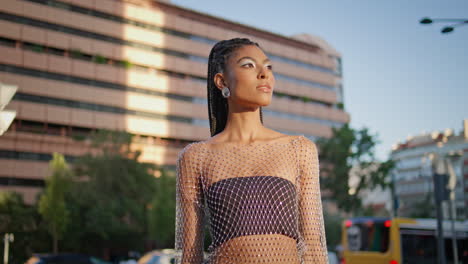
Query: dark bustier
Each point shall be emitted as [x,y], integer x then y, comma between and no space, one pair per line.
[252,205]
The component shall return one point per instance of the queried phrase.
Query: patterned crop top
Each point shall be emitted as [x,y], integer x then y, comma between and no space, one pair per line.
[261,202]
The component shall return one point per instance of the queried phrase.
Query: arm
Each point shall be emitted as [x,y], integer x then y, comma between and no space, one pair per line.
[189,209]
[311,223]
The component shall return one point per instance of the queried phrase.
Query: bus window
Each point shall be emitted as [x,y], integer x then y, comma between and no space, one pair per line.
[418,246]
[368,236]
[462,245]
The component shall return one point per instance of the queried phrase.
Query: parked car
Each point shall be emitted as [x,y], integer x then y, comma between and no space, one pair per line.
[332,258]
[64,259]
[165,256]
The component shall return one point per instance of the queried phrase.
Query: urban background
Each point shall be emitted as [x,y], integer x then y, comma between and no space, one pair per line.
[97,98]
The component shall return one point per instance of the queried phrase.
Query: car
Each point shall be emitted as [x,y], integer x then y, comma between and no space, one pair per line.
[332,258]
[165,256]
[66,258]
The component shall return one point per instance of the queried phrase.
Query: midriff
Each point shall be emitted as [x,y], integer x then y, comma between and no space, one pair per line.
[270,248]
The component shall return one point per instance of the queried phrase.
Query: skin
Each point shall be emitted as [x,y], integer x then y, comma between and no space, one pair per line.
[246,69]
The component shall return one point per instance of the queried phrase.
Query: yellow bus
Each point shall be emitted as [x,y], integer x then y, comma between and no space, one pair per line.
[373,240]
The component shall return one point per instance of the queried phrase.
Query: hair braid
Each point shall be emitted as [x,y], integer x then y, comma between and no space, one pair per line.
[217,104]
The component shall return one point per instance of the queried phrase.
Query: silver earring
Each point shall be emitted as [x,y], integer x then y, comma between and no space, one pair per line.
[225,91]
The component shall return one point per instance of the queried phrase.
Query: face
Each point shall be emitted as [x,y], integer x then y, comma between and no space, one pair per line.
[249,77]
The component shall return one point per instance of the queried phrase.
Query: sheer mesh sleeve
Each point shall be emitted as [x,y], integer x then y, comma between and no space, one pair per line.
[311,224]
[189,208]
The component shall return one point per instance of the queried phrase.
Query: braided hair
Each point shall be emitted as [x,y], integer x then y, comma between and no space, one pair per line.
[217,104]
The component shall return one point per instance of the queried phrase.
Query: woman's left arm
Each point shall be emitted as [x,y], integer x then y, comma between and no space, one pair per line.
[311,222]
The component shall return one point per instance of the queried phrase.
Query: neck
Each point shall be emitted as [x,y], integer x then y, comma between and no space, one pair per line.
[243,125]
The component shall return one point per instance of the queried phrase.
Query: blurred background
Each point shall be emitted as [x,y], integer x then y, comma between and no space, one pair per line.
[97,98]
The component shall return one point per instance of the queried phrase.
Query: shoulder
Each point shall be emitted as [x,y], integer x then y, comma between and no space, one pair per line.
[190,152]
[305,144]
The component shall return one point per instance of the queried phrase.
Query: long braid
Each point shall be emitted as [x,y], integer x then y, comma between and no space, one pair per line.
[217,104]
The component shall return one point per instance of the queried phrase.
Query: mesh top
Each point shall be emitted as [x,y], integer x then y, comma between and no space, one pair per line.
[262,202]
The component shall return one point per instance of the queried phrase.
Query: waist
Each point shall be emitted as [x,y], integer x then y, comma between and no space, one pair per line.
[271,248]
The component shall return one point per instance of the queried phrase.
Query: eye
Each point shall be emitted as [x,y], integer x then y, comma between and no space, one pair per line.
[270,67]
[248,65]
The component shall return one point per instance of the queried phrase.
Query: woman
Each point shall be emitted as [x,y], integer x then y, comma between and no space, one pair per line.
[258,188]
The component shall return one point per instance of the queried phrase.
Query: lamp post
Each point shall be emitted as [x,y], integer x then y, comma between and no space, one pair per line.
[438,177]
[455,22]
[7,238]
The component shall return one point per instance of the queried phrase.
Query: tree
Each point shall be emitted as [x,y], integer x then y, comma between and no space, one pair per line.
[23,221]
[349,148]
[162,213]
[111,196]
[52,204]
[332,229]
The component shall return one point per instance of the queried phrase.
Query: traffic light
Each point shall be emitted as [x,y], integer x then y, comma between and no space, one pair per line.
[441,188]
[445,178]
[6,116]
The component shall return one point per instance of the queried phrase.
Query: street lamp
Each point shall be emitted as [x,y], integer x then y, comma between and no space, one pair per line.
[456,22]
[7,238]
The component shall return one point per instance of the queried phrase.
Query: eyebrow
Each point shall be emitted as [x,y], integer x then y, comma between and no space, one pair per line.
[247,57]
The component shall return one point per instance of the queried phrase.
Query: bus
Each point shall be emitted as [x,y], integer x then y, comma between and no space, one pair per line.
[377,240]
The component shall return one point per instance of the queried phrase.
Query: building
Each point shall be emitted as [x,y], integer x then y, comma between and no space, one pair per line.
[138,66]
[377,199]
[414,169]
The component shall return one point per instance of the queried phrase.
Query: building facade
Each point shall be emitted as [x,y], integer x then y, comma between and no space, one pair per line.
[377,199]
[413,175]
[139,66]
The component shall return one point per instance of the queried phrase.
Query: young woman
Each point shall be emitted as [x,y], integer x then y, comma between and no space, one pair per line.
[258,188]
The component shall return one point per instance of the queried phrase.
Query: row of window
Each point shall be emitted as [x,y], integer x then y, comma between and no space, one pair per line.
[118,110]
[24,182]
[411,174]
[34,156]
[422,187]
[87,34]
[286,78]
[412,162]
[83,81]
[201,39]
[96,107]
[302,118]
[79,80]
[304,99]
[127,64]
[102,60]
[81,133]
[289,116]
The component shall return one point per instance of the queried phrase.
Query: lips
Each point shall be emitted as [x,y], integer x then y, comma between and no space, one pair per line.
[264,88]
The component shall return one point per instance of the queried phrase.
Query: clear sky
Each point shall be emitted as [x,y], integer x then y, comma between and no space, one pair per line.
[400,78]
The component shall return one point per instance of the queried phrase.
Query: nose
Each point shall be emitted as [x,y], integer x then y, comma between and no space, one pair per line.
[263,74]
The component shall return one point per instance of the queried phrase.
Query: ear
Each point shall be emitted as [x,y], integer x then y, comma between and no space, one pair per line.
[219,81]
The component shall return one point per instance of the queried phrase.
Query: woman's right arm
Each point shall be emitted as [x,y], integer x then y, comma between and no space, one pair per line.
[189,209]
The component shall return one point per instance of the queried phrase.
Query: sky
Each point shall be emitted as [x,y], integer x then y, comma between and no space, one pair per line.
[400,78]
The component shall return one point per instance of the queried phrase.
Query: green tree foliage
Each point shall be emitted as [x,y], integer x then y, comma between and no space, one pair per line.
[332,229]
[349,148]
[162,211]
[52,204]
[24,222]
[111,196]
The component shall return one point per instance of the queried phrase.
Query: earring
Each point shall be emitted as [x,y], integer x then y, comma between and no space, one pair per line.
[225,91]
